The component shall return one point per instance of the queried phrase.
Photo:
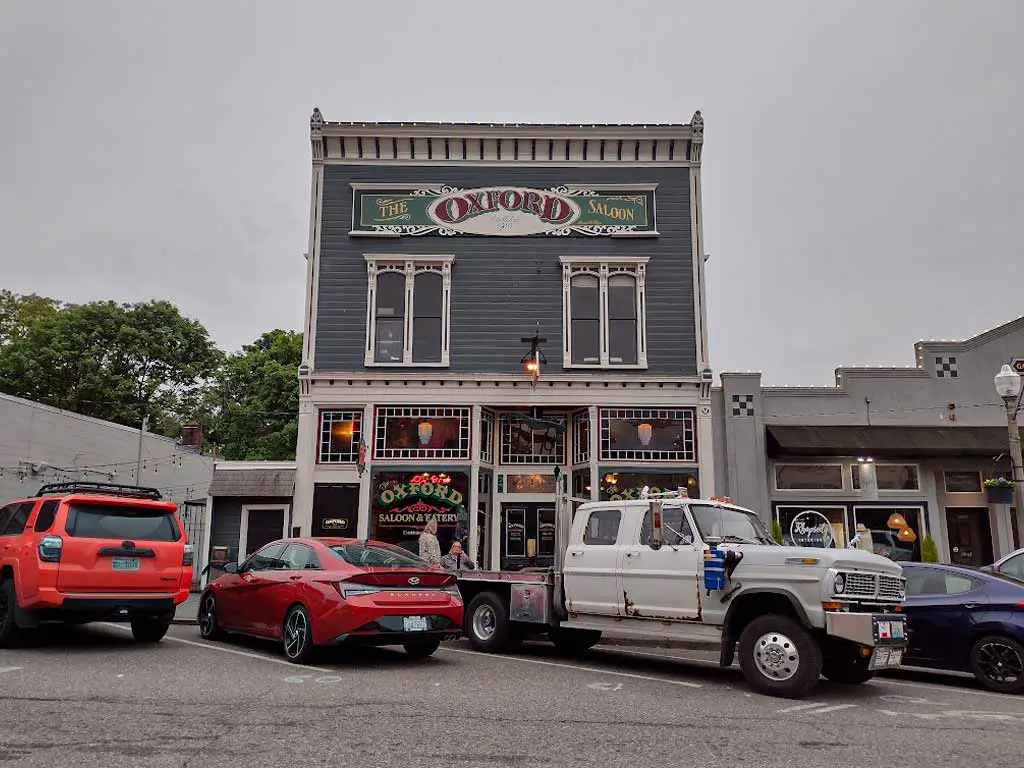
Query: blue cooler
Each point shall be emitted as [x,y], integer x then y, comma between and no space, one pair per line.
[714,569]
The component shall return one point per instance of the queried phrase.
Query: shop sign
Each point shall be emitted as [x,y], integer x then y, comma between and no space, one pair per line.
[1018,365]
[426,496]
[811,529]
[335,524]
[504,211]
[629,494]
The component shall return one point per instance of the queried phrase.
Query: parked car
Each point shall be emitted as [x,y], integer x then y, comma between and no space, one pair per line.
[78,552]
[966,619]
[1012,565]
[310,592]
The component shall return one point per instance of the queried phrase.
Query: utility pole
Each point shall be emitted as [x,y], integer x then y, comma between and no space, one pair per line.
[1009,388]
[138,460]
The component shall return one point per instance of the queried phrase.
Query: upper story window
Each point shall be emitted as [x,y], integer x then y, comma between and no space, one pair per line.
[808,477]
[523,442]
[604,312]
[340,435]
[408,309]
[643,434]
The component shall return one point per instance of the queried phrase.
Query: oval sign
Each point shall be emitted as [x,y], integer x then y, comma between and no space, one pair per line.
[510,211]
[810,528]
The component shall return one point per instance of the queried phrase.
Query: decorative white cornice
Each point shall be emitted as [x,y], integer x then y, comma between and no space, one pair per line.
[506,143]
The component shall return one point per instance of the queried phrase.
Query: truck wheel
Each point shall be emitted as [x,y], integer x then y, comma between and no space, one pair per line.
[848,668]
[487,625]
[779,657]
[573,641]
[9,631]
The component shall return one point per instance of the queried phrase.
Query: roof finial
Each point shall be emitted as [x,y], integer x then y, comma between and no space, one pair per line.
[697,124]
[316,120]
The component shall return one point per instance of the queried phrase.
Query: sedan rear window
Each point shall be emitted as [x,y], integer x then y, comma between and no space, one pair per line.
[121,522]
[377,555]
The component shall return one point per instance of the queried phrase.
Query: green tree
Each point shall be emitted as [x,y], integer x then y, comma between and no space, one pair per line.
[20,312]
[119,362]
[252,407]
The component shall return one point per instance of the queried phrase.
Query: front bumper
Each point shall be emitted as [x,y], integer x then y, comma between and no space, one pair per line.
[883,630]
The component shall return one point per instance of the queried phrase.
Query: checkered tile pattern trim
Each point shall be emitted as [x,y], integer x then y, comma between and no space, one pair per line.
[742,405]
[945,367]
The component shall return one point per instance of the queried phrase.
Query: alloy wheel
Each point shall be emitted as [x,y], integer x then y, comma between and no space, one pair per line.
[1000,662]
[207,616]
[296,633]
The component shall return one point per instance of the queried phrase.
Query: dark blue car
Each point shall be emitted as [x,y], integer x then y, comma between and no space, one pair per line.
[967,620]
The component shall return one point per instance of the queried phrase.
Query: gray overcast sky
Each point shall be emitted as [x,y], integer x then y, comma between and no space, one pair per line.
[862,166]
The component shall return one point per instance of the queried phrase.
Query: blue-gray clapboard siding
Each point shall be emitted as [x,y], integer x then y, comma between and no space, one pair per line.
[502,286]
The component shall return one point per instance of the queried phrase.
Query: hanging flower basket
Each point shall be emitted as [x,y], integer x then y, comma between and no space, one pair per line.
[999,490]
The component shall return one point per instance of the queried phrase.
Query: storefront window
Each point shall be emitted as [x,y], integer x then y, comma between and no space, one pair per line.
[539,483]
[890,477]
[581,438]
[422,433]
[648,435]
[403,502]
[812,526]
[962,482]
[628,485]
[809,477]
[340,434]
[893,532]
[525,443]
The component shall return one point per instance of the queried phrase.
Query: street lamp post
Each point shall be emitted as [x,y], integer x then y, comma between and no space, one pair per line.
[1008,385]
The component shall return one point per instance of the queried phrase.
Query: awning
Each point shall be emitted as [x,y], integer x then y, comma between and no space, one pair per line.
[895,442]
[264,483]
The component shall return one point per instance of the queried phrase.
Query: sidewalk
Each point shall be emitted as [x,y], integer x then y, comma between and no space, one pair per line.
[188,612]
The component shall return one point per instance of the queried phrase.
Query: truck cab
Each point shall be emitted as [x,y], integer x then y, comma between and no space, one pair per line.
[673,569]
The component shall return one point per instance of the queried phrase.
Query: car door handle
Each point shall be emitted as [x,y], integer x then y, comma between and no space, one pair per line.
[970,605]
[294,578]
[574,553]
[630,554]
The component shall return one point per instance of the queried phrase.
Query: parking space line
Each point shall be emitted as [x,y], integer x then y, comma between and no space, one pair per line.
[593,670]
[235,651]
[879,680]
[8,669]
[797,708]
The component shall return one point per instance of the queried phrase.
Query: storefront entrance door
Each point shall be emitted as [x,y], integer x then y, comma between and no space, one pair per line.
[522,523]
[970,535]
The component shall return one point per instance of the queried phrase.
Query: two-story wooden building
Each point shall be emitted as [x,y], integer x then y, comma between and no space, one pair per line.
[449,261]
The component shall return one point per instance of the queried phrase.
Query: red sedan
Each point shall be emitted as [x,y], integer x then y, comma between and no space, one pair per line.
[319,592]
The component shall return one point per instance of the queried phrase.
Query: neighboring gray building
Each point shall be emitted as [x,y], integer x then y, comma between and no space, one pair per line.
[435,250]
[249,505]
[40,444]
[917,441]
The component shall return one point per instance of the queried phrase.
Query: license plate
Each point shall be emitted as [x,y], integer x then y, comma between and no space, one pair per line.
[415,623]
[898,630]
[125,564]
[883,658]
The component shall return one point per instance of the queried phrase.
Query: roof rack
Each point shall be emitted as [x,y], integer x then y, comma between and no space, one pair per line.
[102,489]
[679,493]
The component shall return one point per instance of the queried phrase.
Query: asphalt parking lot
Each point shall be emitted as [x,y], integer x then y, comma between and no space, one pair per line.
[92,696]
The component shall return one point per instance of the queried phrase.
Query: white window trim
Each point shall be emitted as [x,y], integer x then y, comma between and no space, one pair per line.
[243,528]
[602,269]
[854,468]
[775,476]
[412,266]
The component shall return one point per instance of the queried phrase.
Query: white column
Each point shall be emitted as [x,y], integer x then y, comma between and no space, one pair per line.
[595,451]
[305,463]
[495,526]
[367,431]
[473,503]
[1003,539]
[202,555]
[705,447]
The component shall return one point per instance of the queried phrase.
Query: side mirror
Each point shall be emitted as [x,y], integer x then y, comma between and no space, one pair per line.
[657,537]
[231,568]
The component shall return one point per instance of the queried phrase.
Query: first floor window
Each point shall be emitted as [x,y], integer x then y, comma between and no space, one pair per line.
[408,310]
[603,302]
[340,435]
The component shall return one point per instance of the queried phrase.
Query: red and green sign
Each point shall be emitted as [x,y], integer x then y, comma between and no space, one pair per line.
[504,211]
[414,501]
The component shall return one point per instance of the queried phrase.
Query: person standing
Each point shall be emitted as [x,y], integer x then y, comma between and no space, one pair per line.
[430,547]
[457,560]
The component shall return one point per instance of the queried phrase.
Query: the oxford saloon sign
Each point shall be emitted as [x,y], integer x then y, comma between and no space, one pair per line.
[504,211]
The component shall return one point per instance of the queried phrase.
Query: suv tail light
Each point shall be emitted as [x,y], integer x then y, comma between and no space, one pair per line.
[50,548]
[187,556]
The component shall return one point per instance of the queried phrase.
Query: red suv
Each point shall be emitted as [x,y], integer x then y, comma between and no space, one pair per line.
[80,552]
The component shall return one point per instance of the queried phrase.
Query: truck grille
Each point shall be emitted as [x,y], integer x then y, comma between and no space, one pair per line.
[871,586]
